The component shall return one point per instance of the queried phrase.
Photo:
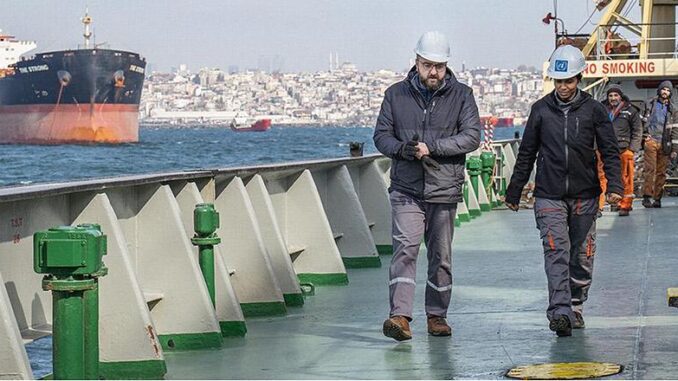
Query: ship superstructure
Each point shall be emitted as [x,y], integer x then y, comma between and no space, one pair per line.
[638,55]
[11,50]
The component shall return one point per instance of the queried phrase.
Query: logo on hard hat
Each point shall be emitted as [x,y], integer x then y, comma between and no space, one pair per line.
[561,65]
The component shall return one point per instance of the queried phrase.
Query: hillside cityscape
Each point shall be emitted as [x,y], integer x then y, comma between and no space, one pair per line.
[340,96]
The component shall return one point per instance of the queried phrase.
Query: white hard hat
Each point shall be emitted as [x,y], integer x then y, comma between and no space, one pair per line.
[433,46]
[566,62]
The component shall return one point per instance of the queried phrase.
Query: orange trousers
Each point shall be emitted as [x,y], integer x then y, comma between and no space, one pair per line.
[627,170]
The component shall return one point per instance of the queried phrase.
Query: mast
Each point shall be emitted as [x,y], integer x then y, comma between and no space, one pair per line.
[86,21]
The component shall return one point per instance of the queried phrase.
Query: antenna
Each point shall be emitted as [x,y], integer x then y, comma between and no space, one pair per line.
[86,21]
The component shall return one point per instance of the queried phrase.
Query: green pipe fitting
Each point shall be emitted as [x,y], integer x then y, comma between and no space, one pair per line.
[474,168]
[487,159]
[206,223]
[71,259]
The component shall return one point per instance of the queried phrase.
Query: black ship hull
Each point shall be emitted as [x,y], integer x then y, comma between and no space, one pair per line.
[88,95]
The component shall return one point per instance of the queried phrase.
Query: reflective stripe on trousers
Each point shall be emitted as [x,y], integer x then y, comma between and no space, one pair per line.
[414,220]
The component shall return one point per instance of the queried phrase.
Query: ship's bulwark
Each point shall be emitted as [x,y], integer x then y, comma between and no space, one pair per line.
[68,123]
[80,96]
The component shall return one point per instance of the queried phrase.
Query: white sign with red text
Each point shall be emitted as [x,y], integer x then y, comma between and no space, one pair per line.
[631,68]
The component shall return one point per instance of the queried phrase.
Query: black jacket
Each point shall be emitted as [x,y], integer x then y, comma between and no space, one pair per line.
[564,147]
[449,125]
[627,126]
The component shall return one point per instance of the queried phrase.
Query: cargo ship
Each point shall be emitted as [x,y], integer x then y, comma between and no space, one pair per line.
[87,95]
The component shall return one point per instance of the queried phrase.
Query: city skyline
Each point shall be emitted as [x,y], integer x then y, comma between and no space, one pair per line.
[299,35]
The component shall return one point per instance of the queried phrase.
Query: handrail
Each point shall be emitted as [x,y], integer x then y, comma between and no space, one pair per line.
[22,192]
[602,32]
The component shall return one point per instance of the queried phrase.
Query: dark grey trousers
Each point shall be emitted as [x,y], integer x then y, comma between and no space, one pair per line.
[567,228]
[413,220]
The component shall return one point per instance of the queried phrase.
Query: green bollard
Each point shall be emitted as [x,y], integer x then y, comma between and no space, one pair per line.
[206,223]
[71,258]
[487,161]
[474,165]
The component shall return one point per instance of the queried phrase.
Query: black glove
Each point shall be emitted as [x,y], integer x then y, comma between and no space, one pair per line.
[430,163]
[409,150]
[426,160]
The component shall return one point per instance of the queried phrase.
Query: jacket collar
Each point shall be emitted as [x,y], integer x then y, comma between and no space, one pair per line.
[450,79]
[551,101]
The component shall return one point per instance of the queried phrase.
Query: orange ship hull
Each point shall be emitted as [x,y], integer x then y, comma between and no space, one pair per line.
[69,123]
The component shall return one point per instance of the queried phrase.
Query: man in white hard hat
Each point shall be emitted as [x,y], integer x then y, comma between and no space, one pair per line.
[427,124]
[561,133]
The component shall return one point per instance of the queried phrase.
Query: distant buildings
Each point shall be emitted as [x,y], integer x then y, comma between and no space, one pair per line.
[341,96]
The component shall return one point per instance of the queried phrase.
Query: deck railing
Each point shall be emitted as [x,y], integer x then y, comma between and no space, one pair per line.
[282,226]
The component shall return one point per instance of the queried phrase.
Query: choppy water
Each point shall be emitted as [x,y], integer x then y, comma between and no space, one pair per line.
[176,149]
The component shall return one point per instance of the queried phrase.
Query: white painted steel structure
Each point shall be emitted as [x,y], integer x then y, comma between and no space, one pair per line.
[281,225]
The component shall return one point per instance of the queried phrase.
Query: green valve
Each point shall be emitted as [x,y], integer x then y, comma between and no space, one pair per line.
[67,251]
[205,220]
[487,159]
[474,166]
[206,223]
[71,259]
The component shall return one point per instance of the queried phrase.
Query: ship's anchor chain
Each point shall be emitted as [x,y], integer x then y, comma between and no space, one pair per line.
[64,78]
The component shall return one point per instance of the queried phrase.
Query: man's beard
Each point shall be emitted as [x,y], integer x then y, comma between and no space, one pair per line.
[433,87]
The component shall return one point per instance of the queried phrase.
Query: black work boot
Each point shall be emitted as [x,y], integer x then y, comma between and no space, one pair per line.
[657,203]
[561,325]
[623,212]
[578,321]
[647,201]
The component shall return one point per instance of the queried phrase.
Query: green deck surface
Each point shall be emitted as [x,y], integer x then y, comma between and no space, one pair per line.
[497,313]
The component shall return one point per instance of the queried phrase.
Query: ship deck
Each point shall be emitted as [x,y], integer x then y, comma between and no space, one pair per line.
[497,313]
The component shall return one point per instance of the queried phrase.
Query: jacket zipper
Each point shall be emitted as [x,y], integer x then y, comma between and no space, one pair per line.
[567,165]
[427,117]
[423,133]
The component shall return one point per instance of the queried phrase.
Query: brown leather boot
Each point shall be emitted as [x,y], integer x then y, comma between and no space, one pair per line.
[397,327]
[437,326]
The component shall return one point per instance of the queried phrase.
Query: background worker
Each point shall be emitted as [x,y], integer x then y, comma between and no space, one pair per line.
[428,115]
[629,130]
[560,135]
[659,116]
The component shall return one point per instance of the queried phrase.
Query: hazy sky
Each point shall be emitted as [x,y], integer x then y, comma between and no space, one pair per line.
[373,34]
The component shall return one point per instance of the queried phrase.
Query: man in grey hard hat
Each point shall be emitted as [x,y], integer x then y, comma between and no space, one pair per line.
[427,124]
